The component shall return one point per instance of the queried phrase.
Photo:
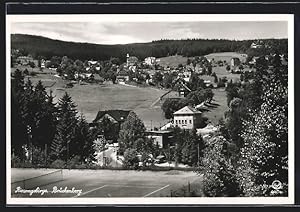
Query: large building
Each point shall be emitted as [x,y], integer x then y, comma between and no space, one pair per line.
[187,118]
[116,117]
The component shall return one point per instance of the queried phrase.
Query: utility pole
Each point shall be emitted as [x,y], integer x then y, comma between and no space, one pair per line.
[30,143]
[169,155]
[198,153]
[68,154]
[176,156]
[45,154]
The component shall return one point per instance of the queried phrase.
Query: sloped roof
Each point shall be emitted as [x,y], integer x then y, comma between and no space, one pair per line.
[118,115]
[133,59]
[187,110]
[122,73]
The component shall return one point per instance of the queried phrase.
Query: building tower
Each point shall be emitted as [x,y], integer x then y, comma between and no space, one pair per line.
[127,59]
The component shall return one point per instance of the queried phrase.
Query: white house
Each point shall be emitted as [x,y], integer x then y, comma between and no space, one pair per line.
[187,118]
[150,61]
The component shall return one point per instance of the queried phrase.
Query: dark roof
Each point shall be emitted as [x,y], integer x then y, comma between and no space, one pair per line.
[235,59]
[118,115]
[122,73]
[182,83]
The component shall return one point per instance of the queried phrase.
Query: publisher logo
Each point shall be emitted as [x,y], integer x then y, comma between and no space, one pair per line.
[277,185]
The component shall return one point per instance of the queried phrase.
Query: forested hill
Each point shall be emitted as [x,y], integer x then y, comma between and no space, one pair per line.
[42,46]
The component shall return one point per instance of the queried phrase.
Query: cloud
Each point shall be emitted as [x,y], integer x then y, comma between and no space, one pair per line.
[134,32]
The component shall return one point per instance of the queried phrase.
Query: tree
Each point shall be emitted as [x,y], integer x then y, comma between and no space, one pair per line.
[265,154]
[233,121]
[131,160]
[31,64]
[168,80]
[82,145]
[172,105]
[66,127]
[195,82]
[192,148]
[220,177]
[45,117]
[157,78]
[196,97]
[18,127]
[208,94]
[209,70]
[144,145]
[228,68]
[231,92]
[131,130]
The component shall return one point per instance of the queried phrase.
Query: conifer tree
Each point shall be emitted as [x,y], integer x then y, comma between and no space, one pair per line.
[192,148]
[82,144]
[18,129]
[65,132]
[131,130]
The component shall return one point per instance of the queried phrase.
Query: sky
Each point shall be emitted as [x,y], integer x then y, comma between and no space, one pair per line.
[139,32]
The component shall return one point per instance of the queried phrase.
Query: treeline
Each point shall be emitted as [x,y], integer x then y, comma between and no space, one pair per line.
[41,46]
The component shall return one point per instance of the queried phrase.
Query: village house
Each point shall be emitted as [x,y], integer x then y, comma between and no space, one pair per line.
[234,62]
[131,60]
[44,63]
[84,76]
[117,117]
[256,45]
[160,138]
[122,77]
[150,61]
[187,118]
[185,75]
[24,60]
[254,59]
[181,87]
[92,62]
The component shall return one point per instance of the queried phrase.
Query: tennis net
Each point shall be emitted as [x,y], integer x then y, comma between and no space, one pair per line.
[41,180]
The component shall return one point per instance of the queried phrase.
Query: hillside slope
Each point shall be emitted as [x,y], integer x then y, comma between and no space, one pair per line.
[41,46]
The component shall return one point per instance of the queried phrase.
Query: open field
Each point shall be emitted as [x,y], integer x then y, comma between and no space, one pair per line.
[90,98]
[172,61]
[219,106]
[226,56]
[111,183]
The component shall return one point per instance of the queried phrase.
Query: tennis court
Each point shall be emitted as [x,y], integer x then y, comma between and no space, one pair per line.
[99,183]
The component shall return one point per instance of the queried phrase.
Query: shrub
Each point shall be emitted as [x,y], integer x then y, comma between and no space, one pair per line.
[58,164]
[131,160]
[73,162]
[15,161]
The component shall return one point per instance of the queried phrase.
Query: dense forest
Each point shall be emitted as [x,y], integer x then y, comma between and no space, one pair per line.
[41,46]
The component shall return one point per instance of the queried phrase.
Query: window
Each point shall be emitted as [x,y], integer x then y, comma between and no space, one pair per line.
[185,121]
[190,121]
[179,121]
[176,121]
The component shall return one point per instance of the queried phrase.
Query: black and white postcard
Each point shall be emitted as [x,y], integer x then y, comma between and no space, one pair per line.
[150,109]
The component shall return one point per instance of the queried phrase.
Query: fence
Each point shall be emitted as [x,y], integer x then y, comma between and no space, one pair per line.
[41,180]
